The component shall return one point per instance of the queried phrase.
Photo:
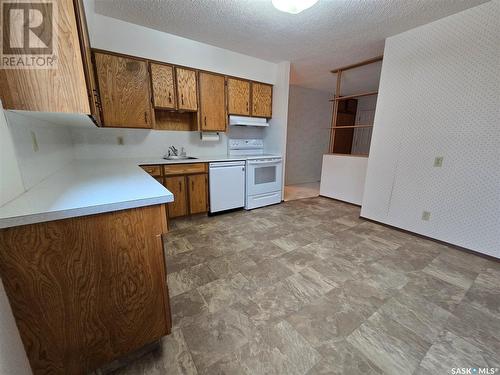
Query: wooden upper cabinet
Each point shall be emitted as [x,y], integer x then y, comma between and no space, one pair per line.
[238,97]
[124,90]
[88,67]
[186,89]
[63,89]
[262,100]
[212,102]
[198,187]
[162,79]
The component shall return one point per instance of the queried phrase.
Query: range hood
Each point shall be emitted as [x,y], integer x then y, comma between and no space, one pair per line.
[247,121]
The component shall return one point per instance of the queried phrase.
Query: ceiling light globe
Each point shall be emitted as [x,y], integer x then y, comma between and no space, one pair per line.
[293,6]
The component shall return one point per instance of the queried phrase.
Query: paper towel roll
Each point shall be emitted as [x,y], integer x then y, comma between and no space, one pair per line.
[209,137]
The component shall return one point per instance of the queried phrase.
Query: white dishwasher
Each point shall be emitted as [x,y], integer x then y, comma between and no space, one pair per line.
[227,185]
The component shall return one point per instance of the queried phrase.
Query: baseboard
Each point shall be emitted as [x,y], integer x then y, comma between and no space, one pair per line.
[456,247]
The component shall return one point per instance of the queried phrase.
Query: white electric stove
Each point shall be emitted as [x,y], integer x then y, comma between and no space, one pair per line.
[264,172]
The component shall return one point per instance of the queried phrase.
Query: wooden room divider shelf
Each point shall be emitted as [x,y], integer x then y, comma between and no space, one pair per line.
[335,113]
[354,96]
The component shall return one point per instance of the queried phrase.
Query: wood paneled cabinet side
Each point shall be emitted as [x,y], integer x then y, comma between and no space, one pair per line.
[87,290]
[238,97]
[187,89]
[163,86]
[69,88]
[213,116]
[262,100]
[124,87]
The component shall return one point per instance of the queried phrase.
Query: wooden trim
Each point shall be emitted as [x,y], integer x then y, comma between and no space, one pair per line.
[335,112]
[352,127]
[362,63]
[354,155]
[338,98]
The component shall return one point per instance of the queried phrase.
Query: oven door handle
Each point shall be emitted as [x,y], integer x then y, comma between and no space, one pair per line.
[270,162]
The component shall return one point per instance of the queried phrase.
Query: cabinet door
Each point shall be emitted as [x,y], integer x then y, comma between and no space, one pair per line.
[124,91]
[88,67]
[162,78]
[262,100]
[186,89]
[62,89]
[238,97]
[212,102]
[177,185]
[198,193]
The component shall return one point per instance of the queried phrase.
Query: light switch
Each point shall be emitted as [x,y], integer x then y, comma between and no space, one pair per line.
[120,141]
[438,161]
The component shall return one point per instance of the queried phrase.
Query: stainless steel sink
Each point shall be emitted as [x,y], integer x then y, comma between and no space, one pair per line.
[173,157]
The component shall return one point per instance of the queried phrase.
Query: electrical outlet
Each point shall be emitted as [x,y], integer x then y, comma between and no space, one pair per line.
[34,141]
[438,161]
[120,141]
[426,216]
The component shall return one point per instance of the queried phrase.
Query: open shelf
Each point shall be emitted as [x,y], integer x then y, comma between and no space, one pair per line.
[351,127]
[347,137]
[370,93]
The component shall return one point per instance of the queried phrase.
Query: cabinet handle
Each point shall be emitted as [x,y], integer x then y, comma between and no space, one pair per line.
[247,106]
[170,97]
[145,117]
[180,186]
[182,99]
[192,185]
[205,121]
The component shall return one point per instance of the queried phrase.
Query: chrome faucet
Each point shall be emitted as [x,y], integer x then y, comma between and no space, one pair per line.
[172,151]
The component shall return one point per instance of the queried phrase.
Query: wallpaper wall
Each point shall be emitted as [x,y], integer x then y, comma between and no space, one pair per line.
[309,117]
[439,97]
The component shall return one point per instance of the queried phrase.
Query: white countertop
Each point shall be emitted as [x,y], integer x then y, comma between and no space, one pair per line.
[86,187]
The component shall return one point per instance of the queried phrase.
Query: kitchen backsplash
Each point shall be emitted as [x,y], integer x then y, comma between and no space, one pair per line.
[92,143]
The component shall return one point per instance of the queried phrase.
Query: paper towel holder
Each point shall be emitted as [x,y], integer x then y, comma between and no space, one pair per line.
[209,136]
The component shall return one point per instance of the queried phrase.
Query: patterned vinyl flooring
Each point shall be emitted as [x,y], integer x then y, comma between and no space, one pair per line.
[306,287]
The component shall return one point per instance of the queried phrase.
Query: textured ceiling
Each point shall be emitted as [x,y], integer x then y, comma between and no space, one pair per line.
[332,33]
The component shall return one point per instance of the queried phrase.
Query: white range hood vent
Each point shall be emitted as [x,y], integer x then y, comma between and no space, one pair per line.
[247,121]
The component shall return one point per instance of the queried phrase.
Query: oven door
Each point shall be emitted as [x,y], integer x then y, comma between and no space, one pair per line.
[264,176]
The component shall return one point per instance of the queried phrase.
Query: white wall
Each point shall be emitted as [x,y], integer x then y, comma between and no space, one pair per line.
[11,183]
[115,35]
[55,147]
[13,359]
[343,177]
[309,118]
[21,166]
[439,96]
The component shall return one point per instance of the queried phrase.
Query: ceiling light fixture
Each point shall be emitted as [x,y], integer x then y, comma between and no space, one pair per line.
[293,6]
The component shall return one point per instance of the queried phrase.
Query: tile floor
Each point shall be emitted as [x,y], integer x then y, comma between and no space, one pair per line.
[300,191]
[306,287]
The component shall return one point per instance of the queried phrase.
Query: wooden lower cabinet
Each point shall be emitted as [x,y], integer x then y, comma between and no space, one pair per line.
[189,184]
[198,193]
[177,185]
[87,290]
